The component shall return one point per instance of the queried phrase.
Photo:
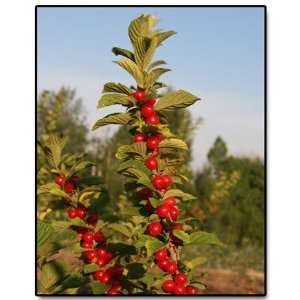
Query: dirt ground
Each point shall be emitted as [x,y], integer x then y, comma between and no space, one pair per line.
[221,281]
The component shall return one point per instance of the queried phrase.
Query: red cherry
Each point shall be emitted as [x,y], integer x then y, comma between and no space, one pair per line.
[179,290]
[145,193]
[81,212]
[139,138]
[150,102]
[88,236]
[162,210]
[171,267]
[69,187]
[90,255]
[114,290]
[116,271]
[157,181]
[152,120]
[168,286]
[101,261]
[101,252]
[177,227]
[174,213]
[170,202]
[191,290]
[159,136]
[163,264]
[106,277]
[74,179]
[80,232]
[60,180]
[99,236]
[152,143]
[167,181]
[154,229]
[161,254]
[147,111]
[98,275]
[108,256]
[92,219]
[151,163]
[72,213]
[180,278]
[87,245]
[139,95]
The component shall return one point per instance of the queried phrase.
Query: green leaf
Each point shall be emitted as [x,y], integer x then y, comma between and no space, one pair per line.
[179,194]
[90,268]
[79,166]
[204,238]
[53,149]
[113,99]
[44,233]
[123,52]
[53,189]
[122,249]
[136,148]
[191,264]
[50,275]
[112,87]
[174,100]
[115,118]
[135,270]
[173,143]
[74,281]
[150,52]
[185,237]
[156,64]
[162,36]
[133,70]
[154,75]
[98,288]
[120,228]
[152,245]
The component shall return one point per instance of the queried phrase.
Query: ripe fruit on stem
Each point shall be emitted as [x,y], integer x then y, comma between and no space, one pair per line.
[152,120]
[72,213]
[139,95]
[151,163]
[168,286]
[98,275]
[152,143]
[161,254]
[92,220]
[150,102]
[191,290]
[180,278]
[87,245]
[157,181]
[90,255]
[69,187]
[170,202]
[74,179]
[147,111]
[167,181]
[171,267]
[99,236]
[60,180]
[179,290]
[81,212]
[163,264]
[88,236]
[162,211]
[145,193]
[154,229]
[139,138]
[174,213]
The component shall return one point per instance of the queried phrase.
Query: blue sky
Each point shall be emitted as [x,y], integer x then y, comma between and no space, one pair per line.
[218,54]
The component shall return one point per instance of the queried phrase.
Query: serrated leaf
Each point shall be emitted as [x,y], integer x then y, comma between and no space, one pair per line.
[185,237]
[162,36]
[111,87]
[204,238]
[152,245]
[121,229]
[178,194]
[113,99]
[53,149]
[174,100]
[154,75]
[123,52]
[156,64]
[90,268]
[191,264]
[135,270]
[133,70]
[50,275]
[173,143]
[115,118]
[44,233]
[98,288]
[136,148]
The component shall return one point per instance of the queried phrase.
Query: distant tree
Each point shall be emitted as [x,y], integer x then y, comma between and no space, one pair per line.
[217,154]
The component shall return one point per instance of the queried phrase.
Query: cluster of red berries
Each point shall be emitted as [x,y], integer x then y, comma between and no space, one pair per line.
[68,185]
[147,109]
[176,285]
[93,241]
